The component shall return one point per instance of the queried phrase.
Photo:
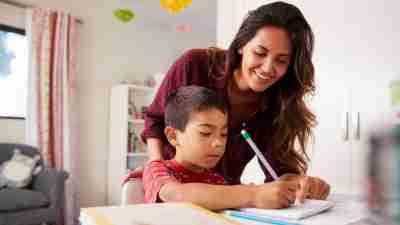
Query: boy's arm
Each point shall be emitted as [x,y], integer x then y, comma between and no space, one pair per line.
[160,184]
[278,194]
[208,195]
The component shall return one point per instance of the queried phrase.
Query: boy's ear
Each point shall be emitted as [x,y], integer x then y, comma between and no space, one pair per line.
[170,133]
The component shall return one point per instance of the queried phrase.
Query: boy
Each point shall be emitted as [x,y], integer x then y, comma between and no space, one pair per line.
[197,125]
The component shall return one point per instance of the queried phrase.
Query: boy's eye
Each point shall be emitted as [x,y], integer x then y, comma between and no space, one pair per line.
[205,133]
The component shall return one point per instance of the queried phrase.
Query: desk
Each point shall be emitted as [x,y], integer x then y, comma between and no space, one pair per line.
[347,211]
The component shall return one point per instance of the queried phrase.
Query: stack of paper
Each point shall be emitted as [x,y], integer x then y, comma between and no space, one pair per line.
[290,215]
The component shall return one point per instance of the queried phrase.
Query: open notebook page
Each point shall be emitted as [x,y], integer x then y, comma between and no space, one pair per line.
[295,211]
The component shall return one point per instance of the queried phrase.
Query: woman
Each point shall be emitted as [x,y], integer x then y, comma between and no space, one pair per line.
[264,76]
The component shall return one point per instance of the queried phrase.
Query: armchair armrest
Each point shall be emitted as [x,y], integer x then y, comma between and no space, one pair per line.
[51,183]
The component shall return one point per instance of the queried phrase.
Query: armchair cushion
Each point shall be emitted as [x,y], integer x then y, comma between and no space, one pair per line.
[19,199]
[17,172]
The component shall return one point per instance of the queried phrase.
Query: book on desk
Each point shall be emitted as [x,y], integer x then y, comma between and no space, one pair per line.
[153,214]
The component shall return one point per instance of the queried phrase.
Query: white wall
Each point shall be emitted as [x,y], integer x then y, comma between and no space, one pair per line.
[109,53]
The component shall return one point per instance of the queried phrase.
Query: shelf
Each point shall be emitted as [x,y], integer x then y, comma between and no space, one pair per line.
[139,87]
[140,154]
[125,126]
[137,121]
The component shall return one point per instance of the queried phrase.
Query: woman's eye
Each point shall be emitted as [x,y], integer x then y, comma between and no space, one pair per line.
[258,53]
[224,135]
[282,61]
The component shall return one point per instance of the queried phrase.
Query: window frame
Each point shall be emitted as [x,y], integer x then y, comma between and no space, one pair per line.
[7,28]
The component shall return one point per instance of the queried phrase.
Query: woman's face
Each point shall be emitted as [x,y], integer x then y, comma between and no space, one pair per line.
[265,59]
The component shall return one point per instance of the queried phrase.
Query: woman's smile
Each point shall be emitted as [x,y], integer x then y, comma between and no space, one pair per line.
[263,76]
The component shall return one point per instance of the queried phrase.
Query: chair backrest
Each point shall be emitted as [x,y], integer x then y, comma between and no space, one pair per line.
[132,192]
[7,151]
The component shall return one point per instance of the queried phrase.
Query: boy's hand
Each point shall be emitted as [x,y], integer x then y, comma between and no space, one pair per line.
[275,195]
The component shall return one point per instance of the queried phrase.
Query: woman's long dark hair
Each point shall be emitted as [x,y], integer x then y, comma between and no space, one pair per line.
[290,128]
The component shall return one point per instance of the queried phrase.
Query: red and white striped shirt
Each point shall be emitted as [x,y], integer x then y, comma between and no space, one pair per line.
[160,172]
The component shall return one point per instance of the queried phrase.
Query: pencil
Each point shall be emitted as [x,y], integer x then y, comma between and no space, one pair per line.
[260,156]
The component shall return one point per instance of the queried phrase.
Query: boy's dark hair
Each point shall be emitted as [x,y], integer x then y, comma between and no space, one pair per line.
[188,99]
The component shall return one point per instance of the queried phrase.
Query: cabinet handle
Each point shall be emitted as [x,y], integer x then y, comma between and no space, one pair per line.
[357,134]
[346,126]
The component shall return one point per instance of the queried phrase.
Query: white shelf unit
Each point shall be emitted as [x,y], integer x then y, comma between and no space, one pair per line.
[123,120]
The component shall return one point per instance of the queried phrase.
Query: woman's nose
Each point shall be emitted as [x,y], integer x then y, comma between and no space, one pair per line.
[268,67]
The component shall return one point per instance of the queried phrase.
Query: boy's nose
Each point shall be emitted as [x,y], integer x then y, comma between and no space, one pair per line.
[218,142]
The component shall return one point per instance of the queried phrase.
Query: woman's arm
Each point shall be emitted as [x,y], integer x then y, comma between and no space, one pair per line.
[153,134]
[277,194]
[154,147]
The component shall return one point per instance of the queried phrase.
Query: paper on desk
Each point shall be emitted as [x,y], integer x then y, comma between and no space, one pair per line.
[153,214]
[346,211]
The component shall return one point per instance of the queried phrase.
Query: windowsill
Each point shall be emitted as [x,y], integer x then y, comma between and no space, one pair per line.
[11,118]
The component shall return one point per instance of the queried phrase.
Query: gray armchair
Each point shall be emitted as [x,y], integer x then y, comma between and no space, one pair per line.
[41,202]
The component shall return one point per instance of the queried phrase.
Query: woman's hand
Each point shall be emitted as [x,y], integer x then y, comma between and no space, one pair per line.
[275,195]
[154,146]
[313,188]
[137,172]
[309,187]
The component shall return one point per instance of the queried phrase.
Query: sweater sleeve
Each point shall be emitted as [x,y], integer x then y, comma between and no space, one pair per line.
[178,75]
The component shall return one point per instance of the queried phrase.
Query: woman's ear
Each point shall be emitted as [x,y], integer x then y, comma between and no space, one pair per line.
[170,133]
[240,51]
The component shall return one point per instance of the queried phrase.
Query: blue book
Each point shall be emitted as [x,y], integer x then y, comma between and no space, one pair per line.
[236,214]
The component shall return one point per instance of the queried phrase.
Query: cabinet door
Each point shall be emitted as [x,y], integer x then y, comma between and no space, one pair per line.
[371,110]
[352,59]
[331,150]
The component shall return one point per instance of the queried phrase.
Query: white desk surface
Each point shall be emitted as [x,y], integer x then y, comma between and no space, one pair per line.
[347,211]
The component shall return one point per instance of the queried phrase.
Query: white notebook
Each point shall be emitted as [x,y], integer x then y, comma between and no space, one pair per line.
[294,212]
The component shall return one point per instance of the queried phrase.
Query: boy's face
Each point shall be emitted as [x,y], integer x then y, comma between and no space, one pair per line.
[201,145]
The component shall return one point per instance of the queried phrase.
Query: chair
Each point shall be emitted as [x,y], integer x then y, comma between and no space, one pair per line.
[133,192]
[41,202]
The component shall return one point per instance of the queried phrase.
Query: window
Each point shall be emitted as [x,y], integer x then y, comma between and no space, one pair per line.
[13,72]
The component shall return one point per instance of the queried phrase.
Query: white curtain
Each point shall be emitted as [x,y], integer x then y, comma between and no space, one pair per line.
[51,120]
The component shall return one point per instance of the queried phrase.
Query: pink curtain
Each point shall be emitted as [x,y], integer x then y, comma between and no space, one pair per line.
[51,121]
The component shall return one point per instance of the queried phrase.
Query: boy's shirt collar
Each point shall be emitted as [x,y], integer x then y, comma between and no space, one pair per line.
[181,168]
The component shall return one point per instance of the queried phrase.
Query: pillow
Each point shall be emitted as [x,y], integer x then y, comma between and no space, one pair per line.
[18,171]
